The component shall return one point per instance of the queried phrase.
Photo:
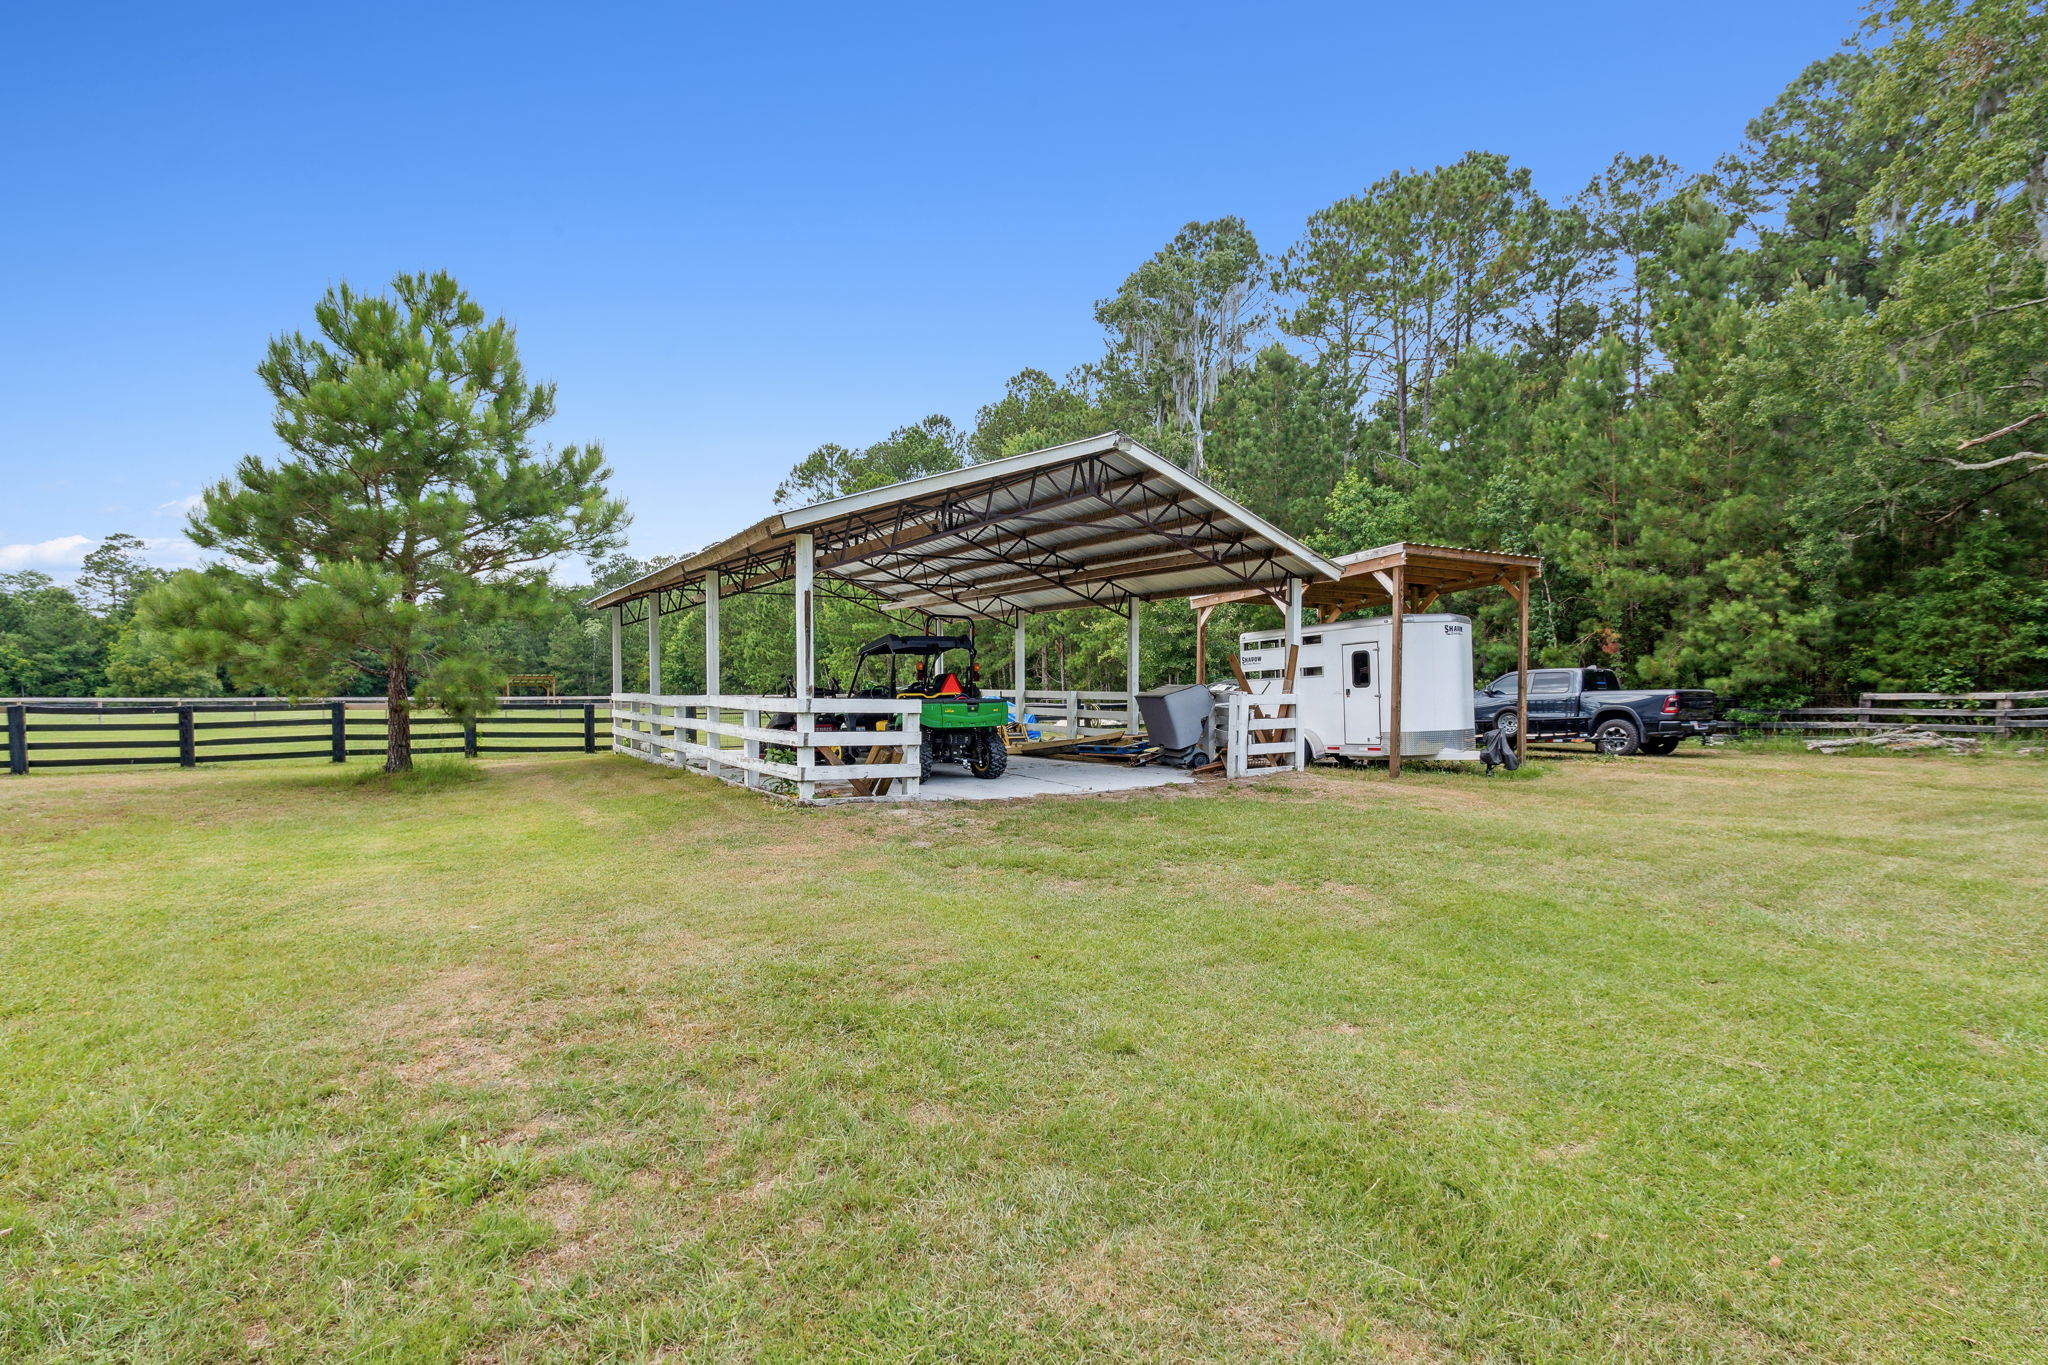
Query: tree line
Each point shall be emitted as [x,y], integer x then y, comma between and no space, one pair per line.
[1774,427]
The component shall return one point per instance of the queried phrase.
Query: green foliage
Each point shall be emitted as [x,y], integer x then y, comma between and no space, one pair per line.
[412,509]
[146,663]
[1976,622]
[932,446]
[50,645]
[1279,437]
[1180,323]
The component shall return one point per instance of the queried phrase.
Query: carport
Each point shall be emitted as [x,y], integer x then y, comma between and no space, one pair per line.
[1100,522]
[1403,577]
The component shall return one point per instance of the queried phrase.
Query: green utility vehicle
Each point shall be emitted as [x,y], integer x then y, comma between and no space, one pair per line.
[960,725]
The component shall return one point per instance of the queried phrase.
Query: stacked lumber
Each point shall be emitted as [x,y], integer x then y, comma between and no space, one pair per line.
[1900,741]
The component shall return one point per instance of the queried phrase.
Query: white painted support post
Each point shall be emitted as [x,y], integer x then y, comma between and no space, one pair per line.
[618,650]
[1018,667]
[1293,611]
[806,667]
[712,711]
[654,645]
[1131,672]
[751,748]
[618,670]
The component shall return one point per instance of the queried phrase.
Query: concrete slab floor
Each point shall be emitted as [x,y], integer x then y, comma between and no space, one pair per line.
[1030,776]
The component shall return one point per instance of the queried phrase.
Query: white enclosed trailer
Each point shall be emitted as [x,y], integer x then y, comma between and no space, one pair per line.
[1342,676]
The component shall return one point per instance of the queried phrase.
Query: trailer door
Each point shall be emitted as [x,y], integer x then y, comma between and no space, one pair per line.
[1364,716]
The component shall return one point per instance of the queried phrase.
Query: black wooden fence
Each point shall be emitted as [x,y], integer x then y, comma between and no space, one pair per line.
[85,733]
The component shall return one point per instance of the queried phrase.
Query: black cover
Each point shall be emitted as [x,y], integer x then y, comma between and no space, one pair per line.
[916,644]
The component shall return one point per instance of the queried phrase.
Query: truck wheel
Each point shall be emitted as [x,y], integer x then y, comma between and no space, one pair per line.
[1618,737]
[1508,723]
[1662,745]
[988,758]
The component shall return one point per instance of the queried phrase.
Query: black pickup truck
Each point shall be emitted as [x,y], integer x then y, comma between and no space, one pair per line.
[1590,704]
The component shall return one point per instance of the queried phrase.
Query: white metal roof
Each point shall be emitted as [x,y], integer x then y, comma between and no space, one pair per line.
[1094,522]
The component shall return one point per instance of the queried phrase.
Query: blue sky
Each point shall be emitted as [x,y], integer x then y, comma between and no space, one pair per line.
[728,234]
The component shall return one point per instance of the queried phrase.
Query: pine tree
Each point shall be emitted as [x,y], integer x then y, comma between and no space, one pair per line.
[411,508]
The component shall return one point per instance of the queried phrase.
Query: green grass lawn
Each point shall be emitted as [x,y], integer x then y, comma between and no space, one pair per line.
[1721,1057]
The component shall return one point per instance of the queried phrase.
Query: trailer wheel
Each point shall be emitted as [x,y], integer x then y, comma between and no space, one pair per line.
[1662,745]
[1618,737]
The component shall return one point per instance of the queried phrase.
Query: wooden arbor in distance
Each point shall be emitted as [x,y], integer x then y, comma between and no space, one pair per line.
[1406,577]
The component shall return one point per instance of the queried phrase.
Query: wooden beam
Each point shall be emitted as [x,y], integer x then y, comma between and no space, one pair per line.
[1395,592]
[1522,668]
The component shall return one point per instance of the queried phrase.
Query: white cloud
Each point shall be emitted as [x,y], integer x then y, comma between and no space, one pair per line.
[178,507]
[61,552]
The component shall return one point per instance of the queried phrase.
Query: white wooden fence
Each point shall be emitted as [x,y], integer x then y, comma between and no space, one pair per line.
[1258,732]
[1074,715]
[795,758]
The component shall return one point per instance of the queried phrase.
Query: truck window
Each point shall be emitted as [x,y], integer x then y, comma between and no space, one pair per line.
[1602,680]
[1550,682]
[1361,668]
[1505,684]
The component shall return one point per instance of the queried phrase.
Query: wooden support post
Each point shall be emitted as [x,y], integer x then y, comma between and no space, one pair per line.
[618,650]
[654,645]
[337,731]
[1399,596]
[1202,615]
[806,644]
[1133,678]
[188,742]
[17,740]
[1522,668]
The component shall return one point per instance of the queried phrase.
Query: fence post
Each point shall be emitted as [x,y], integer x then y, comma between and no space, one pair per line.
[337,721]
[2002,724]
[589,727]
[469,739]
[188,745]
[17,740]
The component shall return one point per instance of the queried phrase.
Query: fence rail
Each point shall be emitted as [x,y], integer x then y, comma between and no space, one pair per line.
[93,732]
[1264,732]
[1997,715]
[774,744]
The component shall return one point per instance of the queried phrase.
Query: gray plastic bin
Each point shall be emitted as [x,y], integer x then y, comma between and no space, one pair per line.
[1178,720]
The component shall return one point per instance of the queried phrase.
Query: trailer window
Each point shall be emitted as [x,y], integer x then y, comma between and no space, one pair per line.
[1311,639]
[1361,668]
[1311,672]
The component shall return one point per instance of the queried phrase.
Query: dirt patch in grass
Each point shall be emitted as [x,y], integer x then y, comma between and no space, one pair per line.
[461,1026]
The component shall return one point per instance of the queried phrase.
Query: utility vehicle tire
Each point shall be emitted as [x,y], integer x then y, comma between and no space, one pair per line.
[988,758]
[1618,738]
[924,761]
[1662,745]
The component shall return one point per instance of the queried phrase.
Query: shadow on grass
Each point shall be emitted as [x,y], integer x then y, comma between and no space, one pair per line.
[427,775]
